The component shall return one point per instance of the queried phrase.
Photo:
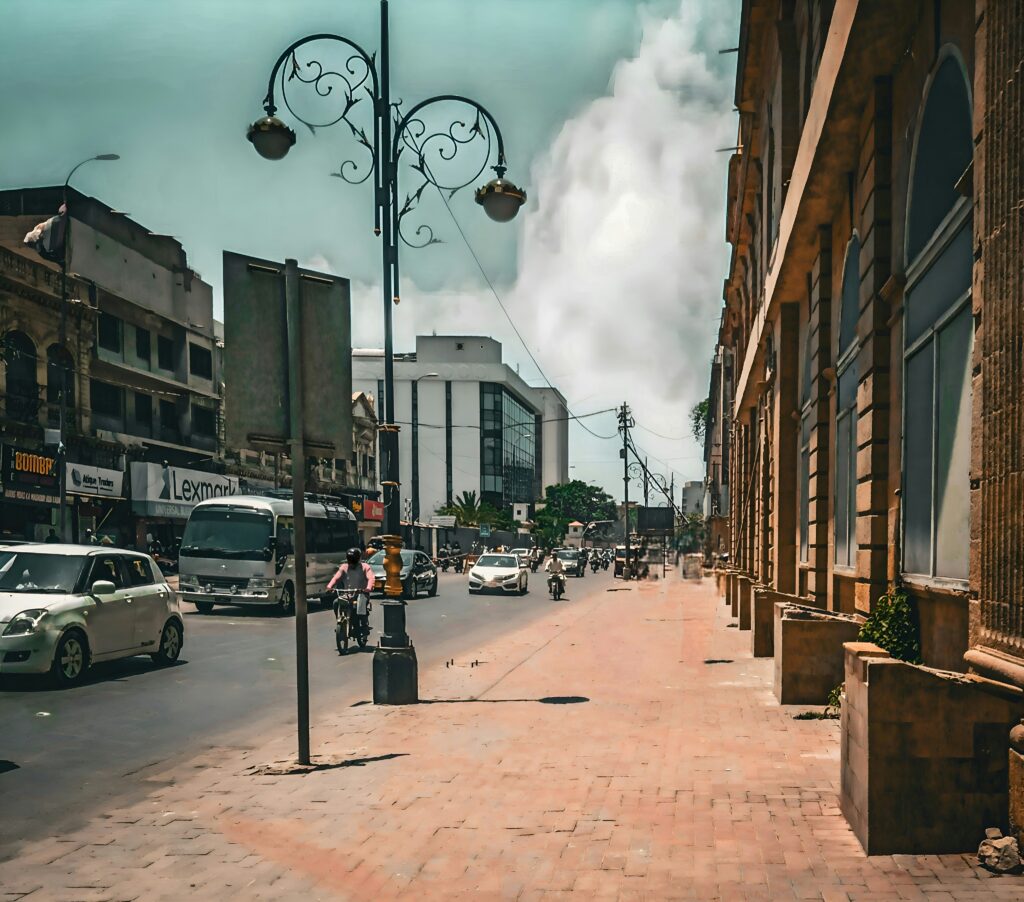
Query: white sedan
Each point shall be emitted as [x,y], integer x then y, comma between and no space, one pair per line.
[504,572]
[64,607]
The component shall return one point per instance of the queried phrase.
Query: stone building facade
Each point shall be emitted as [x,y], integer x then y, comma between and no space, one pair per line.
[873,318]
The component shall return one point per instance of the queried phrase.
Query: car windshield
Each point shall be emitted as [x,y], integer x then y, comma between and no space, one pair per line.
[497,560]
[218,532]
[377,558]
[567,555]
[22,571]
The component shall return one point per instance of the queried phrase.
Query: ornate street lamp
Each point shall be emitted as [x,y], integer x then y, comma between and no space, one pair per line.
[347,89]
[62,338]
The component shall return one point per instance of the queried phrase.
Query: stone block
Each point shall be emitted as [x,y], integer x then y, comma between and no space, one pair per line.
[809,652]
[762,618]
[924,766]
[1016,782]
[745,594]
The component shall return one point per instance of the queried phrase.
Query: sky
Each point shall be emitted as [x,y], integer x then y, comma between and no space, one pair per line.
[612,113]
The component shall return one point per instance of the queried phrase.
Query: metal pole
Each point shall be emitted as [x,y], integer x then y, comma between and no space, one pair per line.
[415,457]
[298,452]
[625,485]
[62,452]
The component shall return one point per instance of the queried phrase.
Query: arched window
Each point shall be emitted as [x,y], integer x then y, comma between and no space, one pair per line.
[19,355]
[845,507]
[938,336]
[60,377]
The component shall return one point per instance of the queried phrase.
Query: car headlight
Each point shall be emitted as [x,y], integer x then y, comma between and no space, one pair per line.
[262,582]
[25,623]
[474,575]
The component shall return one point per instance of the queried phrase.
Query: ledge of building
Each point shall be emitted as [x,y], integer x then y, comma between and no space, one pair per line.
[996,665]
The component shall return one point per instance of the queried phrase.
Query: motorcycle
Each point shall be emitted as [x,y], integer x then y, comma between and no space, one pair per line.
[444,562]
[348,623]
[534,564]
[605,561]
[556,585]
[595,565]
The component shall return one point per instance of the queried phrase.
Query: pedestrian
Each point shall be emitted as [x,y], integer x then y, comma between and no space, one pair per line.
[52,537]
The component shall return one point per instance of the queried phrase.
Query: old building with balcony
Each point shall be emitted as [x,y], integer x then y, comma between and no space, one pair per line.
[872,326]
[140,346]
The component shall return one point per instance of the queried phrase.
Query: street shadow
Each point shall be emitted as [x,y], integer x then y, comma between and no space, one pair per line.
[718,660]
[249,612]
[548,700]
[103,672]
[6,766]
[290,767]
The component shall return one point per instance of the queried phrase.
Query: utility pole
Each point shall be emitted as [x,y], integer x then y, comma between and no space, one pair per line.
[647,485]
[625,421]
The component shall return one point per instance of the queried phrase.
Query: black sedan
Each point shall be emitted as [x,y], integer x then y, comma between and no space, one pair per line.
[418,573]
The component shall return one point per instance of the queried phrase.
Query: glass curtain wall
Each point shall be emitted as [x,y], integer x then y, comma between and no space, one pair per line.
[508,447]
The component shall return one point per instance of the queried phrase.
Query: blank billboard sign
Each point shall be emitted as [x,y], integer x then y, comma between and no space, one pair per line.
[256,392]
[655,520]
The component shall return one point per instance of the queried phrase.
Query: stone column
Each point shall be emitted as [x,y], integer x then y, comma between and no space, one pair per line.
[820,326]
[873,359]
[786,462]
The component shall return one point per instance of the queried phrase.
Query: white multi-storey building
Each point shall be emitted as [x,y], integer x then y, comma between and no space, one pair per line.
[468,423]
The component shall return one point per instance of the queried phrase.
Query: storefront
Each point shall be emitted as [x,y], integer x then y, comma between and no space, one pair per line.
[96,495]
[29,493]
[370,515]
[163,497]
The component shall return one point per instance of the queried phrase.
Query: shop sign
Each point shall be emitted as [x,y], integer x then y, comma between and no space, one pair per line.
[28,475]
[373,510]
[99,482]
[159,491]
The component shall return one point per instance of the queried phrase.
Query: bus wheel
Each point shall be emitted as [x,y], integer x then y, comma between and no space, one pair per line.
[286,606]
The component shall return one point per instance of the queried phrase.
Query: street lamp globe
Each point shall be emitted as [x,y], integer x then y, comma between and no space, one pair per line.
[271,137]
[501,199]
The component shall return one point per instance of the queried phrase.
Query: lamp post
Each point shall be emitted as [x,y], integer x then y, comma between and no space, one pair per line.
[363,77]
[62,450]
[416,451]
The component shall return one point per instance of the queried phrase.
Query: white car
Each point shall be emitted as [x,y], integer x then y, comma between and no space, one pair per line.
[523,554]
[504,572]
[65,607]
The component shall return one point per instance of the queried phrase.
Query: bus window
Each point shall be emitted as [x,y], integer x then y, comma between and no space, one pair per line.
[284,536]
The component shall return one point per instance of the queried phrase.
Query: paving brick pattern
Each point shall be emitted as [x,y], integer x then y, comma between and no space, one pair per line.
[595,754]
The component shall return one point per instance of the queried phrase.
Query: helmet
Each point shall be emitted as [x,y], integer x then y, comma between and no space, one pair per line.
[353,556]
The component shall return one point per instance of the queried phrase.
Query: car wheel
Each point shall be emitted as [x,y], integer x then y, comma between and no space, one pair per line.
[71,659]
[432,591]
[286,606]
[170,644]
[204,607]
[522,588]
[409,590]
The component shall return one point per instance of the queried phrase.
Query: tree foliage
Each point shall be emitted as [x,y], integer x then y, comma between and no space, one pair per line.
[574,500]
[469,510]
[699,420]
[893,625]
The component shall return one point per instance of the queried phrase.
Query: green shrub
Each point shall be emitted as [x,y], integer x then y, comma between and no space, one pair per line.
[893,625]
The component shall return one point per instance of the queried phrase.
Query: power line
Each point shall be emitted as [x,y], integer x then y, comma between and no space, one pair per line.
[670,438]
[501,304]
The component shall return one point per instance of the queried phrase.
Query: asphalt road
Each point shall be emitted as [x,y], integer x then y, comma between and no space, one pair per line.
[66,755]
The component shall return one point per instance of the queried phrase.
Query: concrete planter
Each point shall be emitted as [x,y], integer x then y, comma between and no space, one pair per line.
[924,754]
[809,652]
[762,619]
[743,602]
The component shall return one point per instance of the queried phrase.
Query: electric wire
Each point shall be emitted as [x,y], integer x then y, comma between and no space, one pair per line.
[501,304]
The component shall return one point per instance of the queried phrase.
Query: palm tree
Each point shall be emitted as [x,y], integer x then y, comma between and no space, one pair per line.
[466,508]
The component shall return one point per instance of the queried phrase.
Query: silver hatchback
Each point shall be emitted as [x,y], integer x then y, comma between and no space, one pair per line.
[66,607]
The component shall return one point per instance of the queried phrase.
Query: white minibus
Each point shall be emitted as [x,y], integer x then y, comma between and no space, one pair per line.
[237,550]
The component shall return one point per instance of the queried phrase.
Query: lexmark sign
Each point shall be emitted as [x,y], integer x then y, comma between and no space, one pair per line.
[159,491]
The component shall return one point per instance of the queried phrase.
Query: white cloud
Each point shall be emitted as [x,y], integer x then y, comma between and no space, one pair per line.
[622,250]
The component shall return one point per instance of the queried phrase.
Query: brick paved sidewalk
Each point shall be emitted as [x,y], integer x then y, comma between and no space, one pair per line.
[596,753]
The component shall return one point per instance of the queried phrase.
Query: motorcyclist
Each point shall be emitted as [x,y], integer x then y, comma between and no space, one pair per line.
[554,568]
[356,574]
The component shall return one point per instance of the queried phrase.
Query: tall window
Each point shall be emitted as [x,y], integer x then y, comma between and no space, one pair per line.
[165,353]
[108,333]
[806,409]
[19,358]
[846,411]
[938,336]
[200,361]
